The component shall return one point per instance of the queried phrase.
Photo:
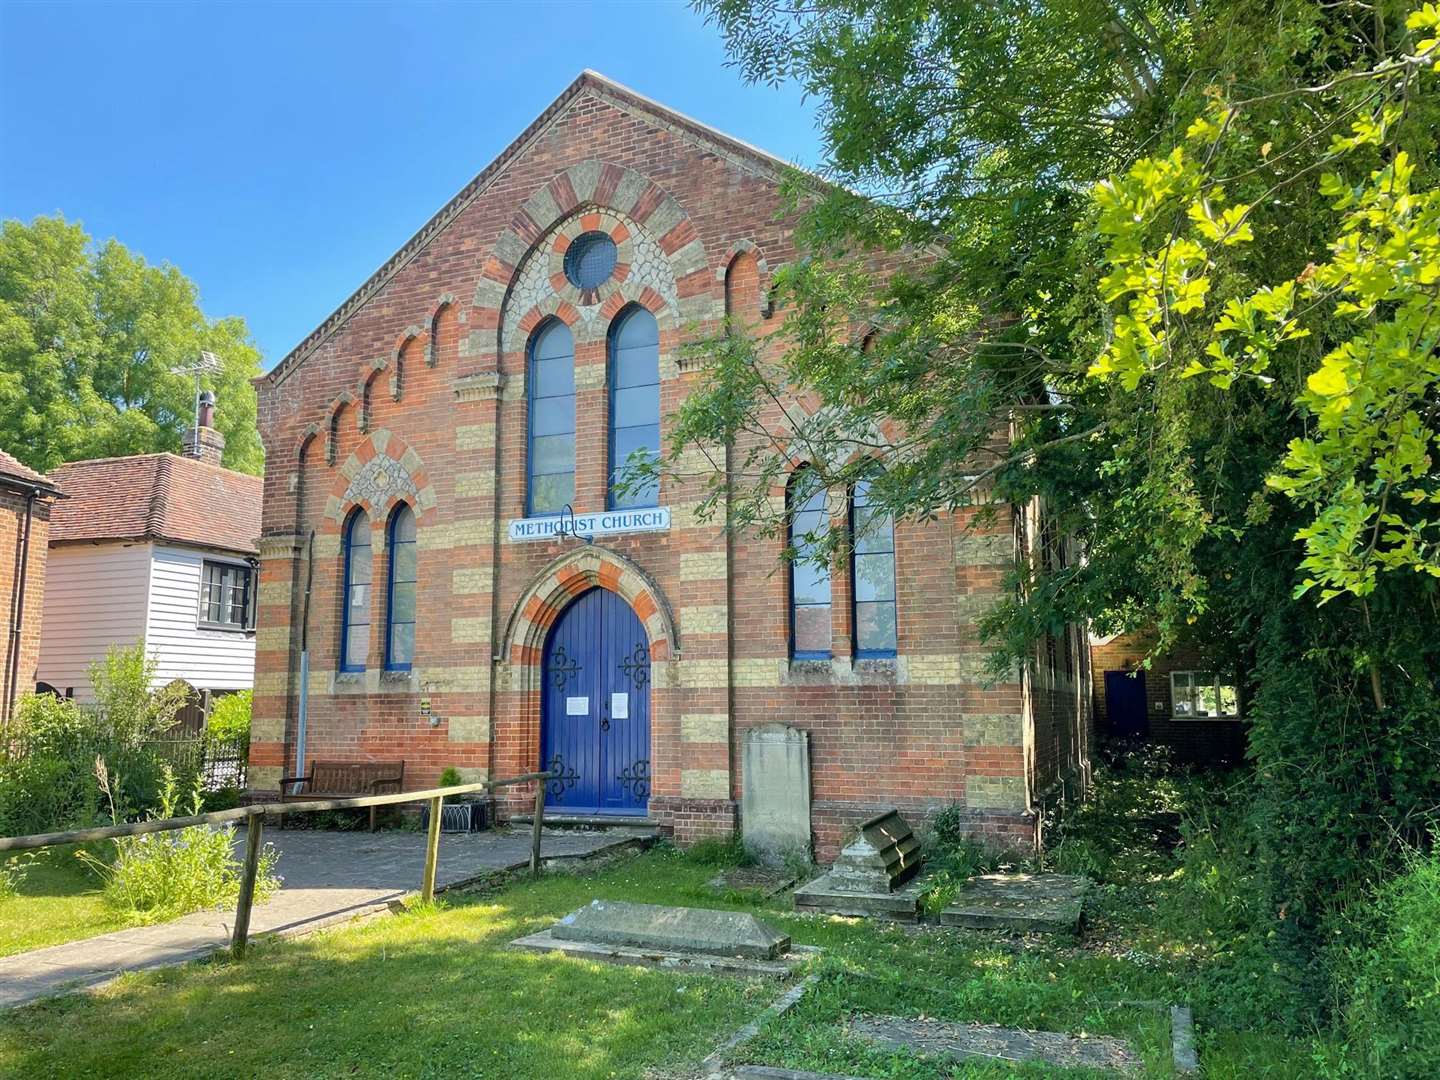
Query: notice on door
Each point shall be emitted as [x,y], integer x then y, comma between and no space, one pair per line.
[577,706]
[620,706]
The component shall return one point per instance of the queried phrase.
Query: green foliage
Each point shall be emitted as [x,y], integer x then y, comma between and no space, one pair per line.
[160,876]
[123,684]
[449,777]
[230,717]
[1389,970]
[90,337]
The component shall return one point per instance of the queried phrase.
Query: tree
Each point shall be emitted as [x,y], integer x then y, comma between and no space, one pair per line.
[91,339]
[1015,166]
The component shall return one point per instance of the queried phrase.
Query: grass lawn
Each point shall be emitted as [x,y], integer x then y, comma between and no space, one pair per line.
[58,900]
[434,993]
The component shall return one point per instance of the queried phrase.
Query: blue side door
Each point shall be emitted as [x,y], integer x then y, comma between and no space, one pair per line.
[1125,704]
[595,708]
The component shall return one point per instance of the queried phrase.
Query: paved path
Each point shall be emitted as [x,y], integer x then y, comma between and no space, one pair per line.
[328,877]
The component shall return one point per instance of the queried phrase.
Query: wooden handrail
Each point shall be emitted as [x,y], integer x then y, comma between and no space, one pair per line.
[240,813]
[255,824]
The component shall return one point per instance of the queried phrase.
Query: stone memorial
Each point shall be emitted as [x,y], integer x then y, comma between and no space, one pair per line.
[725,942]
[874,875]
[1025,903]
[775,798]
[717,933]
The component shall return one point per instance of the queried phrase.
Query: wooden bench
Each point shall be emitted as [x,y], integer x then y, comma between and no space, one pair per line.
[345,780]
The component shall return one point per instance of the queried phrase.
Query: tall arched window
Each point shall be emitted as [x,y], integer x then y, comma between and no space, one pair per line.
[355,618]
[872,575]
[400,591]
[809,581]
[552,419]
[634,403]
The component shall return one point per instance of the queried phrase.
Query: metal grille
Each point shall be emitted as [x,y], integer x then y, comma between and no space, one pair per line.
[590,260]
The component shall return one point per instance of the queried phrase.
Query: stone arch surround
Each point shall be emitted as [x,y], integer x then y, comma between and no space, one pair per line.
[382,471]
[562,581]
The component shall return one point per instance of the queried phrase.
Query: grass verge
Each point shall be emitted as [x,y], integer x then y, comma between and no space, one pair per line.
[58,900]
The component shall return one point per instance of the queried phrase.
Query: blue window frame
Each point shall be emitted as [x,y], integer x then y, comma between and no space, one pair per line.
[810,628]
[551,449]
[872,576]
[400,591]
[355,617]
[634,404]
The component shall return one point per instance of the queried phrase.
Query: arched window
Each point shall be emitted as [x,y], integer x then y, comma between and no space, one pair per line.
[355,618]
[872,575]
[400,591]
[634,403]
[809,581]
[552,419]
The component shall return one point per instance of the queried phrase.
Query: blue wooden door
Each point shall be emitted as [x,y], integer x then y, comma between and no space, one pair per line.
[595,708]
[1125,704]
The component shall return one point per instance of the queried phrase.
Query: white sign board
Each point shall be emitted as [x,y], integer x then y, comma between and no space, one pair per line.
[577,706]
[606,523]
[620,706]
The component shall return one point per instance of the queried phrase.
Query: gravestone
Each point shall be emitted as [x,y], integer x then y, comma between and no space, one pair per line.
[874,875]
[775,796]
[674,929]
[1027,903]
[883,856]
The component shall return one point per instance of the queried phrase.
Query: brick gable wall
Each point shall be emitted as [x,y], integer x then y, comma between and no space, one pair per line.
[419,396]
[12,532]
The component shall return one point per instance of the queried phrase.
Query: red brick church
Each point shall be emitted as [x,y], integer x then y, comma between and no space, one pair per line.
[502,366]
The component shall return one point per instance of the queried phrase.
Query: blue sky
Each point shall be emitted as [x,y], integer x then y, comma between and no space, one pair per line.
[279,153]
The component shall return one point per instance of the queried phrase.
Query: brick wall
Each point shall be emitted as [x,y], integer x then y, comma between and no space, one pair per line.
[12,531]
[416,393]
[1195,741]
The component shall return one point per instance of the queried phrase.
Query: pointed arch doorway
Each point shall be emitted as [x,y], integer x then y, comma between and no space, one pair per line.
[595,708]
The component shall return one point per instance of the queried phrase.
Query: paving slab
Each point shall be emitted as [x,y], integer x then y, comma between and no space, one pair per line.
[329,877]
[1041,903]
[827,896]
[677,929]
[937,1038]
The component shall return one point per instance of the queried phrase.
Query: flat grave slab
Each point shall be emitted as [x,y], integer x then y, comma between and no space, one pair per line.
[937,1038]
[668,959]
[1041,903]
[825,896]
[765,881]
[678,929]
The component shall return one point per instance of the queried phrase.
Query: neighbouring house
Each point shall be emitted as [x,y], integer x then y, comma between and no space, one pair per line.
[158,548]
[426,440]
[1184,699]
[27,499]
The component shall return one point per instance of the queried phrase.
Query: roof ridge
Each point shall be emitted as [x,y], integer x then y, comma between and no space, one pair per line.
[438,221]
[159,496]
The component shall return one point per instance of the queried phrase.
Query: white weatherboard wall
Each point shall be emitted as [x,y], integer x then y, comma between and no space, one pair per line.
[96,596]
[208,659]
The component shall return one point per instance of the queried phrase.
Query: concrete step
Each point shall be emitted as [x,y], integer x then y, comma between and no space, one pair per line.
[591,821]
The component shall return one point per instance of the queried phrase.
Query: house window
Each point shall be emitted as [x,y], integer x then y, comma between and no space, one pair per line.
[1203,695]
[400,598]
[227,596]
[355,619]
[809,580]
[634,404]
[873,576]
[552,419]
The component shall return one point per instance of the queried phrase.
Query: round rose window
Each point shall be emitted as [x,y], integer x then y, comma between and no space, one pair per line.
[590,260]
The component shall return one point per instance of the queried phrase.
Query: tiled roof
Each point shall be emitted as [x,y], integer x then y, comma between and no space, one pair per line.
[157,497]
[9,467]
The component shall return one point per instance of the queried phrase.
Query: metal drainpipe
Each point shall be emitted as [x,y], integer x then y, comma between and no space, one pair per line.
[17,616]
[302,713]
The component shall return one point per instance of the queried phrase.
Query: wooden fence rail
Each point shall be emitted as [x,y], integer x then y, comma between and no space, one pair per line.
[254,816]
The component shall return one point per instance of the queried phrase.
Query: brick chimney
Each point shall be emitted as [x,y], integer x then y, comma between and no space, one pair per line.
[205,443]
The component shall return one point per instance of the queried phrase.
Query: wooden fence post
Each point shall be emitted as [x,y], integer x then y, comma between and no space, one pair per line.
[432,850]
[255,824]
[535,828]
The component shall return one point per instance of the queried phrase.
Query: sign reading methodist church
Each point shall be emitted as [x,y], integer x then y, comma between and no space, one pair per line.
[609,522]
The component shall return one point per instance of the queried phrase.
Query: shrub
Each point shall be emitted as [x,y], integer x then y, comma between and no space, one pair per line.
[1389,959]
[133,713]
[449,777]
[230,717]
[46,770]
[160,876]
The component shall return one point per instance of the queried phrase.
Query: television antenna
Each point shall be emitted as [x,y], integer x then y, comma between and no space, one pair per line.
[207,363]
